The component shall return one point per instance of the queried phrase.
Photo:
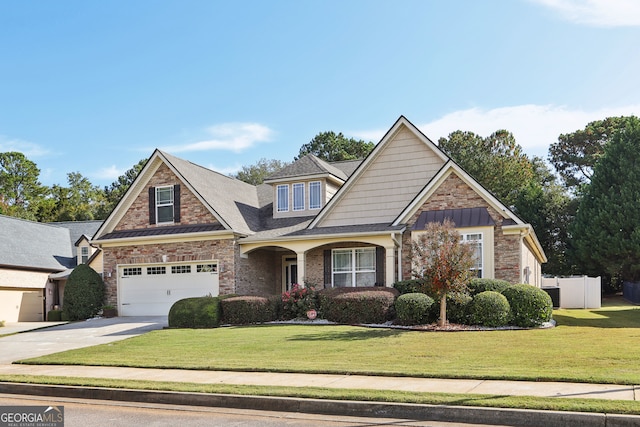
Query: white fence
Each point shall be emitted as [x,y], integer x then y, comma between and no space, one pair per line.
[576,292]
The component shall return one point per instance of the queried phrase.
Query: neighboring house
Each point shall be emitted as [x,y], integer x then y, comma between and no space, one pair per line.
[182,230]
[35,261]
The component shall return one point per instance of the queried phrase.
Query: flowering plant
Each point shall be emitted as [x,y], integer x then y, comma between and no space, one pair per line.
[298,301]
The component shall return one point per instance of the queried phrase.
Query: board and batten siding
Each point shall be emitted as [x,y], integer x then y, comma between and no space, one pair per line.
[389,183]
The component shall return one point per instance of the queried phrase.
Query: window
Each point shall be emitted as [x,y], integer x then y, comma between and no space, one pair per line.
[298,197]
[180,269]
[207,268]
[164,204]
[84,254]
[156,270]
[354,267]
[131,271]
[314,195]
[283,198]
[475,240]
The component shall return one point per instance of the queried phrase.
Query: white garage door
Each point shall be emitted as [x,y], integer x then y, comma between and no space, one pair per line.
[151,290]
[21,305]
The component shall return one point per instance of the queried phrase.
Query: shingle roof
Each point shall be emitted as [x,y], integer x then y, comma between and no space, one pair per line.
[77,229]
[305,166]
[34,245]
[347,166]
[235,201]
[161,231]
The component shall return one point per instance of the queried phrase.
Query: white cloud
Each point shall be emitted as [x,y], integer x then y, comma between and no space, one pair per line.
[227,170]
[599,13]
[236,137]
[535,127]
[111,172]
[29,149]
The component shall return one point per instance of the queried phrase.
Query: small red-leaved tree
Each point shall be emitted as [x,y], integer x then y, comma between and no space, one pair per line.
[442,261]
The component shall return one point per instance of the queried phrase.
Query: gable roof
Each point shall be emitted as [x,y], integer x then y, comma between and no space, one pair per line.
[79,229]
[34,245]
[234,203]
[307,166]
[370,160]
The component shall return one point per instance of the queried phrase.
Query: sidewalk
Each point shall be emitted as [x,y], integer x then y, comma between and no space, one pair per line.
[427,385]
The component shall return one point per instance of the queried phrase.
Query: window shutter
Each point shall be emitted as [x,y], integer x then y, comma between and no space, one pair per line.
[380,266]
[176,203]
[327,268]
[152,205]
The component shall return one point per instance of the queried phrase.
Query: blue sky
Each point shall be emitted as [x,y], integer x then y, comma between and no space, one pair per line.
[95,86]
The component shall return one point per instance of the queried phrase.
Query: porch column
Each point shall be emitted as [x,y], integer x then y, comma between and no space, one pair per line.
[390,265]
[301,270]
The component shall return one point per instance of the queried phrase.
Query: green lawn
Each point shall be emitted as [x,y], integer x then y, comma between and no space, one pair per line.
[601,346]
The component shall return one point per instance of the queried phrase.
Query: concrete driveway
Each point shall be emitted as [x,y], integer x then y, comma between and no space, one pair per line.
[40,342]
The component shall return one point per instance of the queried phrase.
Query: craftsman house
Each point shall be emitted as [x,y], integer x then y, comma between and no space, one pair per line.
[183,230]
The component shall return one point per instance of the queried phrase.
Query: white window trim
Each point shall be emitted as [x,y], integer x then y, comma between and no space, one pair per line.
[465,239]
[286,200]
[319,183]
[301,187]
[354,269]
[165,204]
[84,249]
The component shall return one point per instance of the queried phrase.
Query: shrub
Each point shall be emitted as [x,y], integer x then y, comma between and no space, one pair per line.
[408,286]
[83,293]
[413,308]
[247,309]
[198,312]
[457,307]
[489,308]
[358,305]
[297,301]
[530,306]
[54,315]
[477,286]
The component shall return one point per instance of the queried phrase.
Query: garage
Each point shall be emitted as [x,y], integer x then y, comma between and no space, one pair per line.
[21,305]
[151,289]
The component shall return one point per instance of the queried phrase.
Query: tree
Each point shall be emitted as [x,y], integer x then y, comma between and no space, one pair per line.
[333,147]
[575,154]
[80,201]
[606,231]
[496,162]
[442,262]
[83,293]
[114,192]
[20,189]
[255,174]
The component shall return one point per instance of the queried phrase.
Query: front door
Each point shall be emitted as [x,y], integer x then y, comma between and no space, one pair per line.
[290,272]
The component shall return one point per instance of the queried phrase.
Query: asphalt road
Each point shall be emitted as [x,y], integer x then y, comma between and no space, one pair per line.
[82,413]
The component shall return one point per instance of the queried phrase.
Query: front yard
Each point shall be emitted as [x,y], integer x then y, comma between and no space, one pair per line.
[600,346]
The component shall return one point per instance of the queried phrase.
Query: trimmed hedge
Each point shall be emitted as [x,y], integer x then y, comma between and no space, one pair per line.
[83,293]
[457,307]
[413,308]
[477,286]
[198,312]
[54,315]
[408,286]
[358,305]
[490,308]
[245,310]
[530,306]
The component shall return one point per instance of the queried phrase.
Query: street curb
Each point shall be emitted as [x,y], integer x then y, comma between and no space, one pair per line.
[460,414]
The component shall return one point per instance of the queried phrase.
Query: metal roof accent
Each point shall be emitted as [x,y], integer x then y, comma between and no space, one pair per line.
[162,231]
[465,217]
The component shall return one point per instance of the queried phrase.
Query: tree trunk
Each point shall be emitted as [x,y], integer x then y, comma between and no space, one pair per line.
[443,310]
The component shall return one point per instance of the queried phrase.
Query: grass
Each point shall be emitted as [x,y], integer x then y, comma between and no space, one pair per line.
[514,402]
[598,346]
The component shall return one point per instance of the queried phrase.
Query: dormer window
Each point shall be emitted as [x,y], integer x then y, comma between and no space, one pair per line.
[314,195]
[298,197]
[283,198]
[84,254]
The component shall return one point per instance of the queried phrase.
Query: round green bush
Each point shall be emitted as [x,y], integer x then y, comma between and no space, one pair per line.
[357,305]
[477,285]
[457,307]
[413,308]
[198,312]
[245,310]
[83,293]
[408,286]
[489,308]
[530,306]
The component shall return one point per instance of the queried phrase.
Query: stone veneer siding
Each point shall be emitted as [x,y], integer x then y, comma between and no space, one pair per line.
[258,274]
[192,211]
[454,193]
[223,251]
